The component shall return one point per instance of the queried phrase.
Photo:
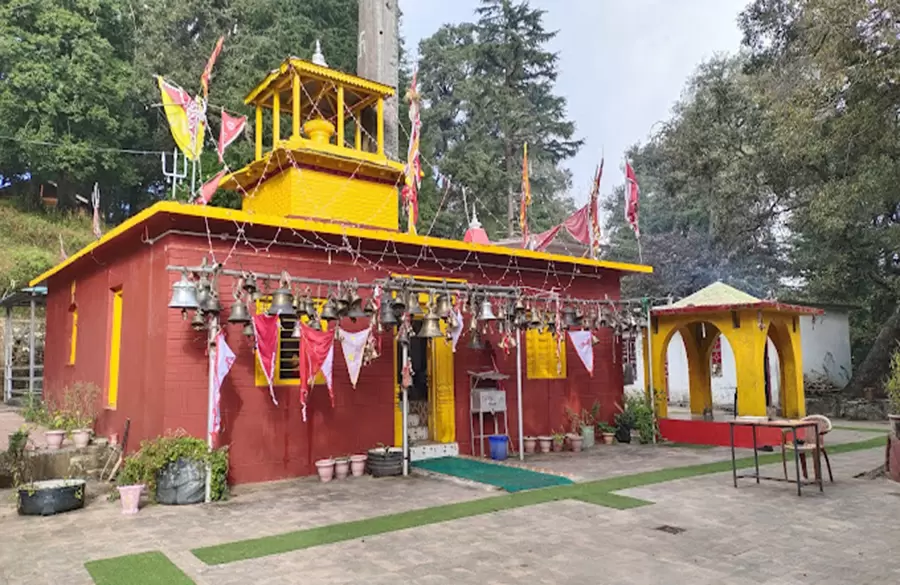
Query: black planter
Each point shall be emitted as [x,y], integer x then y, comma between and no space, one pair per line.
[385,462]
[623,434]
[52,496]
[181,482]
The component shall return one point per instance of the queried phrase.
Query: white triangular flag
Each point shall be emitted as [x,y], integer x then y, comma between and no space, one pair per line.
[224,360]
[582,342]
[353,345]
[456,331]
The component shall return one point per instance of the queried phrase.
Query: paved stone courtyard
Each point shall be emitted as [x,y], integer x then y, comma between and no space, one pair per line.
[755,534]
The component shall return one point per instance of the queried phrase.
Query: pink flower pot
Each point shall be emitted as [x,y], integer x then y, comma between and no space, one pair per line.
[342,468]
[81,438]
[545,442]
[54,439]
[358,465]
[575,443]
[131,498]
[558,445]
[325,467]
[530,444]
[608,438]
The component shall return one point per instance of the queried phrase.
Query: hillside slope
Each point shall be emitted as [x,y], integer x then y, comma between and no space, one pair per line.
[29,242]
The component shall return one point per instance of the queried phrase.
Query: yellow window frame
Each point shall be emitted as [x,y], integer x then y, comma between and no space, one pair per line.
[73,339]
[540,356]
[262,305]
[115,349]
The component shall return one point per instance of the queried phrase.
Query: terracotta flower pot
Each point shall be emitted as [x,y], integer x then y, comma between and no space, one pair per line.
[358,465]
[545,442]
[608,438]
[575,442]
[113,439]
[81,438]
[895,424]
[130,495]
[342,467]
[54,439]
[558,444]
[530,444]
[325,468]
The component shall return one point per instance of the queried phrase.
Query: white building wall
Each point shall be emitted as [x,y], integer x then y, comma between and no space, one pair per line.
[826,347]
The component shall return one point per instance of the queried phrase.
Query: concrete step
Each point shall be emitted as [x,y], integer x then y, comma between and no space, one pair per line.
[413,420]
[418,433]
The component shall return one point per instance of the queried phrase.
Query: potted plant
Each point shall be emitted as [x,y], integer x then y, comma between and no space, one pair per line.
[58,426]
[545,441]
[129,489]
[385,461]
[342,467]
[608,432]
[530,444]
[173,469]
[559,440]
[358,465]
[588,424]
[325,469]
[576,442]
[624,424]
[80,406]
[642,415]
[892,389]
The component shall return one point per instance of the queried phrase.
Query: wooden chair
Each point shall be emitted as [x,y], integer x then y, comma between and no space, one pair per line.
[823,427]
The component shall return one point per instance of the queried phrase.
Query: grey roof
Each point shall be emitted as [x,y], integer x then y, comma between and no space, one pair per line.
[22,297]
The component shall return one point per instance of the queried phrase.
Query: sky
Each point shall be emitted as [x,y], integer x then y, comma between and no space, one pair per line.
[623,64]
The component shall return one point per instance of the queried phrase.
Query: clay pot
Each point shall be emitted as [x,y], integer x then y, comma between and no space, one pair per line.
[113,439]
[575,442]
[342,467]
[545,442]
[358,465]
[558,444]
[54,439]
[130,495]
[895,424]
[530,444]
[608,438]
[325,468]
[81,438]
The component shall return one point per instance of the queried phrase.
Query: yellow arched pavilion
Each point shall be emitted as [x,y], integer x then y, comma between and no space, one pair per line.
[747,323]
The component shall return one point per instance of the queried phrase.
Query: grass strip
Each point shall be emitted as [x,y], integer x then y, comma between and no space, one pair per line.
[883,431]
[596,492]
[688,446]
[150,568]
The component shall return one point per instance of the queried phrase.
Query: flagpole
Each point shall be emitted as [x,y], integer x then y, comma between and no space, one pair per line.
[640,251]
[210,406]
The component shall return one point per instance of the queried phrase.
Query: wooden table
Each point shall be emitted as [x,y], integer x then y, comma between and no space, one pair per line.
[791,426]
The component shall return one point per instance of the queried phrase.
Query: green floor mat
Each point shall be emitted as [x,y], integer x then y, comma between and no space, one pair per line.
[509,478]
[151,568]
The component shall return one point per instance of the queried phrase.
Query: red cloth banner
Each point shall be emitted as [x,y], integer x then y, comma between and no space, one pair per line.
[578,225]
[207,71]
[595,212]
[209,188]
[631,199]
[265,332]
[231,128]
[316,355]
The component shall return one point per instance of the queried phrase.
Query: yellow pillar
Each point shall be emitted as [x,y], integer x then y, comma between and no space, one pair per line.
[659,341]
[380,126]
[276,119]
[340,116]
[357,139]
[295,103]
[259,131]
[790,353]
[748,343]
[698,369]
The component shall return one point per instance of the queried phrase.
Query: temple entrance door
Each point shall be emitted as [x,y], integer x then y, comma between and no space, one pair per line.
[441,402]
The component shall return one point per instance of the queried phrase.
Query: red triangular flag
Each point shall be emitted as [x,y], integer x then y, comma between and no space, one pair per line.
[209,188]
[232,126]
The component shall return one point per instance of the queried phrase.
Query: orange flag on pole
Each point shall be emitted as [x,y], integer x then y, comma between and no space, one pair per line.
[207,71]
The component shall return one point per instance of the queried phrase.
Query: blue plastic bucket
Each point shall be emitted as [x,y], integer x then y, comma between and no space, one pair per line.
[498,447]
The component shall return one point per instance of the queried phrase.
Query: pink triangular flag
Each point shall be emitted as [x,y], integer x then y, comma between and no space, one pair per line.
[582,342]
[353,345]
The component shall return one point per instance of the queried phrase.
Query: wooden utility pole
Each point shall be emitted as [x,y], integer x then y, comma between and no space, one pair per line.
[378,56]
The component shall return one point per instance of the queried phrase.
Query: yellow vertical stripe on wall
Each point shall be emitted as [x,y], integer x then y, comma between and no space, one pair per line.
[115,349]
[73,341]
[540,356]
[442,399]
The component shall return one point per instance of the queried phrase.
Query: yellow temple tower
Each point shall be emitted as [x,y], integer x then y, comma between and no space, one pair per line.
[331,166]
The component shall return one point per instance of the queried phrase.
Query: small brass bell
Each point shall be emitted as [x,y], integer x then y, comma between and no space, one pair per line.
[296,332]
[282,303]
[603,322]
[184,294]
[475,341]
[398,304]
[442,307]
[412,303]
[369,308]
[310,307]
[299,305]
[520,307]
[537,321]
[486,313]
[329,311]
[403,336]
[250,285]
[203,290]
[342,303]
[315,323]
[354,307]
[239,313]
[568,317]
[387,317]
[212,305]
[198,323]
[248,330]
[431,326]
[452,321]
[521,320]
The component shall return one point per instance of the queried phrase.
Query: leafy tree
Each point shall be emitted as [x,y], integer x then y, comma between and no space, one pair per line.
[487,88]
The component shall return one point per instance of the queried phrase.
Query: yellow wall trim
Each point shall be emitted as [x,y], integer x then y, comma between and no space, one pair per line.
[115,349]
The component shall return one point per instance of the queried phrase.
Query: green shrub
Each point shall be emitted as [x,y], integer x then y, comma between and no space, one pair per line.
[892,383]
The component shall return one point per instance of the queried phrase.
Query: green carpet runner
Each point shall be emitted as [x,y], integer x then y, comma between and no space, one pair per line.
[507,477]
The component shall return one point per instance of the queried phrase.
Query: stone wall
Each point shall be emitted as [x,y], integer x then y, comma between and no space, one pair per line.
[833,405]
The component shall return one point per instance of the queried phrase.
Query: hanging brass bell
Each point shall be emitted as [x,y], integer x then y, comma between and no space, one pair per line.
[568,317]
[486,313]
[198,323]
[403,335]
[212,305]
[282,303]
[296,332]
[412,304]
[431,326]
[239,313]
[341,303]
[475,341]
[204,290]
[354,307]
[248,330]
[315,323]
[520,306]
[184,294]
[442,306]
[398,304]
[369,308]
[299,305]
[329,311]
[602,320]
[250,284]
[537,321]
[387,317]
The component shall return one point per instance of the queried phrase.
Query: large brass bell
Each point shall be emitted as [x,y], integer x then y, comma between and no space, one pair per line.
[198,323]
[282,303]
[568,317]
[486,312]
[342,303]
[387,317]
[239,313]
[475,341]
[431,326]
[354,306]
[299,305]
[184,294]
[412,304]
[329,311]
[442,306]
